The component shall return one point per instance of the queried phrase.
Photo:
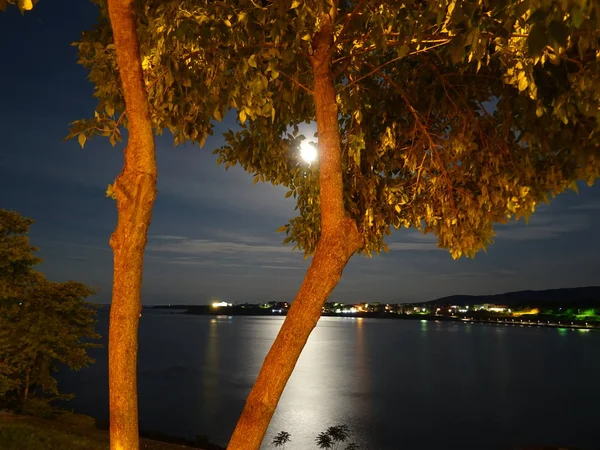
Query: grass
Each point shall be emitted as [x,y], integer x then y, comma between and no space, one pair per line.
[23,436]
[72,432]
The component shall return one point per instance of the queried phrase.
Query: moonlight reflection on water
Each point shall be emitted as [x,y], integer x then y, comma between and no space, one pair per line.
[395,383]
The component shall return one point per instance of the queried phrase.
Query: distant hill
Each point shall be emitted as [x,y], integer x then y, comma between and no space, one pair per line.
[581,296]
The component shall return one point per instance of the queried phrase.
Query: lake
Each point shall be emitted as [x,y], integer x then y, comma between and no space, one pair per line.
[398,384]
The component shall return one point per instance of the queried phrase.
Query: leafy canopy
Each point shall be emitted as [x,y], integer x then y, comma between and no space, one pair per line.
[23,5]
[16,254]
[42,324]
[454,115]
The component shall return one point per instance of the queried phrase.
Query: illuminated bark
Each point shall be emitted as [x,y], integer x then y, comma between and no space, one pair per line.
[338,241]
[135,190]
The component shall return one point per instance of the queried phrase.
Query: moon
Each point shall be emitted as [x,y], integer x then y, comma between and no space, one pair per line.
[308,151]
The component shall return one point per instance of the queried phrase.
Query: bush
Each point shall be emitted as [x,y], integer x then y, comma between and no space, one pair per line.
[39,407]
[80,420]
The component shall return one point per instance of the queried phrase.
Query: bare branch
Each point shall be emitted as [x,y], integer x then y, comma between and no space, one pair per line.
[378,69]
[351,16]
[293,80]
[421,126]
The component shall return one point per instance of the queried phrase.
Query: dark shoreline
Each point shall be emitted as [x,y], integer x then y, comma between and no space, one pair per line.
[539,321]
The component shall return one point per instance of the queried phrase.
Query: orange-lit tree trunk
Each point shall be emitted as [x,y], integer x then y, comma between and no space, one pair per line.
[338,241]
[135,189]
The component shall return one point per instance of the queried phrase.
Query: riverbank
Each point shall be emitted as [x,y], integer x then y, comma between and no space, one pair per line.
[488,320]
[24,432]
[533,321]
[19,432]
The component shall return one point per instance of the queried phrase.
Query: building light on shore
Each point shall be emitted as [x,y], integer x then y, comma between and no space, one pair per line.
[220,304]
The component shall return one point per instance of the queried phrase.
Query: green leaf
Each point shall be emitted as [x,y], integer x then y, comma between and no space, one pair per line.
[218,115]
[110,192]
[26,5]
[537,40]
[559,33]
[577,16]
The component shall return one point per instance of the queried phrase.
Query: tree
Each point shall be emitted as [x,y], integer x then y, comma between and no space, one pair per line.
[17,257]
[443,116]
[42,324]
[135,192]
[282,438]
[334,436]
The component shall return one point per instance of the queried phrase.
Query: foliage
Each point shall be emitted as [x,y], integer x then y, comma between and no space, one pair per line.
[39,407]
[282,438]
[454,115]
[42,323]
[334,436]
[23,5]
[331,438]
[17,436]
[16,254]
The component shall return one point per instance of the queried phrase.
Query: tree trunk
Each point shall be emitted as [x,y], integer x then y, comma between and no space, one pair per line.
[338,241]
[26,390]
[135,189]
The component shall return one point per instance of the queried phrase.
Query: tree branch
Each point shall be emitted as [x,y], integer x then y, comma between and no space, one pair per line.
[378,69]
[348,20]
[421,126]
[293,80]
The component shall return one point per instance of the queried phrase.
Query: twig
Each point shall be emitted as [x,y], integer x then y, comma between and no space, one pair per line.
[293,80]
[351,16]
[378,69]
[420,124]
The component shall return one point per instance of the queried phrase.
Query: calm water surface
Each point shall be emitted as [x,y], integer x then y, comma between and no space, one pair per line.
[398,384]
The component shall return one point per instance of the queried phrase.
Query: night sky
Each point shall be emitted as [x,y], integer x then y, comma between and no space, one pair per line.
[213,231]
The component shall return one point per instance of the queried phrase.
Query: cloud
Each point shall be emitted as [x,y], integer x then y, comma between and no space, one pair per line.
[413,246]
[543,226]
[240,251]
[51,243]
[283,267]
[213,247]
[167,237]
[594,205]
[414,241]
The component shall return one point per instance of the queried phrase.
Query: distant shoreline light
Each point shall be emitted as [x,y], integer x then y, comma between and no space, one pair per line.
[220,304]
